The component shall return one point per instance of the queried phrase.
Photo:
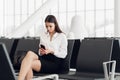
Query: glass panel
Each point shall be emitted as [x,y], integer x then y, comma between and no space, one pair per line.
[9,24]
[31,32]
[17,7]
[110,16]
[24,17]
[17,21]
[1,17]
[31,7]
[1,8]
[9,7]
[100,4]
[89,4]
[81,14]
[24,7]
[62,5]
[1,25]
[109,32]
[80,5]
[5,25]
[99,18]
[90,23]
[71,5]
[38,4]
[100,32]
[70,16]
[100,23]
[62,21]
[102,27]
[44,1]
[109,29]
[39,27]
[109,4]
[54,9]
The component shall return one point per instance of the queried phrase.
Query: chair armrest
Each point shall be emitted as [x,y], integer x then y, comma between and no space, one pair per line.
[51,76]
[109,75]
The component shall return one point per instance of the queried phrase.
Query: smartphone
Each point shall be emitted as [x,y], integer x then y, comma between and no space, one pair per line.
[42,46]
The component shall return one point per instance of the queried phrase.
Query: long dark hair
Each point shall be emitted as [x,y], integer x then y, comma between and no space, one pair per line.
[52,19]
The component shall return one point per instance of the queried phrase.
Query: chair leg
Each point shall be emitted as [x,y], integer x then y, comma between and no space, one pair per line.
[109,75]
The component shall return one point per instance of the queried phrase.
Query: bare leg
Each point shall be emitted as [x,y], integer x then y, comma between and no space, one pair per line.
[36,67]
[26,65]
[29,75]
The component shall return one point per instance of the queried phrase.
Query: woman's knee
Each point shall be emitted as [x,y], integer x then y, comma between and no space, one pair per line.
[31,55]
[36,65]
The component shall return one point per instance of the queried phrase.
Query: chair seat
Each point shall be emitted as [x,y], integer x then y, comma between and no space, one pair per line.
[81,76]
[74,77]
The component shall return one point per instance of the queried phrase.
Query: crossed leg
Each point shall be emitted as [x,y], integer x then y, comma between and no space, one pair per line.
[30,62]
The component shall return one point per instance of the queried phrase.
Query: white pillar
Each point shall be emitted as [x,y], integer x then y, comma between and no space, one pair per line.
[117,18]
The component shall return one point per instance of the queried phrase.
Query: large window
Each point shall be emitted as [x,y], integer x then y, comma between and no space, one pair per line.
[97,15]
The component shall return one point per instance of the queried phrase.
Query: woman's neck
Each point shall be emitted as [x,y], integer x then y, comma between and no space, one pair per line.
[51,35]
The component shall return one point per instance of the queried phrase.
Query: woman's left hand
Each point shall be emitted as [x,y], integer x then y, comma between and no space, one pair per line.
[48,51]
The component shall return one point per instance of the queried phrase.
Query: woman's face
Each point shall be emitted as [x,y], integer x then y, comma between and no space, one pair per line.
[50,27]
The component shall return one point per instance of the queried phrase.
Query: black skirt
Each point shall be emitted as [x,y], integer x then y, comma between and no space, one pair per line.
[50,63]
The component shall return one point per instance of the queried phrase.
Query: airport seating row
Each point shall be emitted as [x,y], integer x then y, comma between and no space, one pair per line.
[18,47]
[86,56]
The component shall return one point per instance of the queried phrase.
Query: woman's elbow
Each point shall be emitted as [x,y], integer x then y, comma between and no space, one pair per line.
[64,55]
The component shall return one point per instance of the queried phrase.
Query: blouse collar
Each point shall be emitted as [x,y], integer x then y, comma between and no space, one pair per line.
[55,35]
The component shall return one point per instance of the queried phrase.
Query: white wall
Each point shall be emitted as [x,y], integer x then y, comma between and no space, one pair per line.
[117,18]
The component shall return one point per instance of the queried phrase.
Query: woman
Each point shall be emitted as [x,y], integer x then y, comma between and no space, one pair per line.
[52,52]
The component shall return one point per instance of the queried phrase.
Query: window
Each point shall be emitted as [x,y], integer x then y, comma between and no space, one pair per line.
[97,15]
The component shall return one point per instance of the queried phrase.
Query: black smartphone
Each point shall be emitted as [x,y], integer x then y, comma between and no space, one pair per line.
[42,46]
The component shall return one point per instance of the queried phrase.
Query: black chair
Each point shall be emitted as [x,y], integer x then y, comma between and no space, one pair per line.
[92,54]
[8,43]
[6,68]
[75,53]
[24,45]
[116,53]
[66,65]
[28,44]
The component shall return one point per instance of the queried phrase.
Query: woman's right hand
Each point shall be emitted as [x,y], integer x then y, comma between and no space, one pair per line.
[42,51]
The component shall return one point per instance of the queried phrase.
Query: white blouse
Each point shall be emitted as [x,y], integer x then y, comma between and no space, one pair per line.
[58,44]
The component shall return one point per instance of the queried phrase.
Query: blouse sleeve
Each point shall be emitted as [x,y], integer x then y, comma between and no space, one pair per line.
[62,51]
[40,44]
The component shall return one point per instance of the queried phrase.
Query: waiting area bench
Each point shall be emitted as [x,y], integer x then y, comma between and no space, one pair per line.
[85,56]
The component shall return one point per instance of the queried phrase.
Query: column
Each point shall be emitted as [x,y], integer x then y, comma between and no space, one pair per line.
[117,18]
